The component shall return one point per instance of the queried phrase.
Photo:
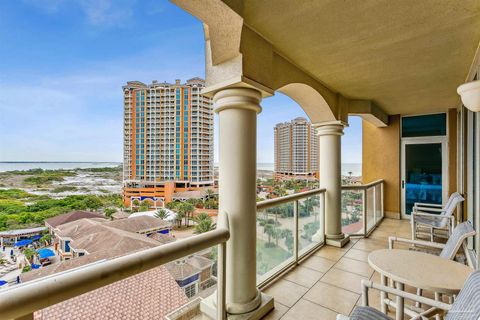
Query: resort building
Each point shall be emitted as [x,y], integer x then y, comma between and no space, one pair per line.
[152,294]
[168,140]
[192,273]
[53,222]
[396,64]
[296,149]
[10,237]
[87,236]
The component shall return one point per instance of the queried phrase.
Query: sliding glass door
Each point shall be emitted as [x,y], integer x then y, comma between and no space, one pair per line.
[424,172]
[423,161]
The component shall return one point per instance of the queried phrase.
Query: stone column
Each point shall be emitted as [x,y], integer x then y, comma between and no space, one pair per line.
[237,110]
[330,158]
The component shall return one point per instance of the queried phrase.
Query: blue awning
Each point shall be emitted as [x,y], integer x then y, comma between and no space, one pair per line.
[45,253]
[37,237]
[2,282]
[23,243]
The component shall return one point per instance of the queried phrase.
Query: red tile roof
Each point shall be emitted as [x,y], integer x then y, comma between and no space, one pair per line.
[149,295]
[71,216]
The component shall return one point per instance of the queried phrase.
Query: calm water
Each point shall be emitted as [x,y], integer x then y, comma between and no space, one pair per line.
[354,168]
[11,166]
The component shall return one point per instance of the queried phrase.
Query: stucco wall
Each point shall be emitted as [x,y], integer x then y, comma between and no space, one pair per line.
[452,150]
[381,160]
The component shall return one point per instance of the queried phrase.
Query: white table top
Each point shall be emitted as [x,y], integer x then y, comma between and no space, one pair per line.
[420,270]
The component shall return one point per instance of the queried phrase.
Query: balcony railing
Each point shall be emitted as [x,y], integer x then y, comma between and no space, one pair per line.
[21,301]
[362,208]
[289,228]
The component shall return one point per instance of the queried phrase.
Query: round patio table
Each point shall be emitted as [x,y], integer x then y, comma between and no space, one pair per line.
[419,270]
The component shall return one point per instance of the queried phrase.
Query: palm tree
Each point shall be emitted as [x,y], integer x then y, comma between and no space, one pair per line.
[46,239]
[161,214]
[204,223]
[269,230]
[29,254]
[210,193]
[180,215]
[187,209]
[172,205]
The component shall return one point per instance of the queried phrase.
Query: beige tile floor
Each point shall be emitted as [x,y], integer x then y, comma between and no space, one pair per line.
[328,282]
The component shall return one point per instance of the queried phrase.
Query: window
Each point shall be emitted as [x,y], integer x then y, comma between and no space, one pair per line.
[424,126]
[191,290]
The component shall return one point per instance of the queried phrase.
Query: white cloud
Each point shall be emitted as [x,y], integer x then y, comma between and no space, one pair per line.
[108,12]
[100,13]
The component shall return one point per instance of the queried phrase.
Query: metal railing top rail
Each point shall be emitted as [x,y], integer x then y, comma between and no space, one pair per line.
[26,298]
[292,197]
[362,186]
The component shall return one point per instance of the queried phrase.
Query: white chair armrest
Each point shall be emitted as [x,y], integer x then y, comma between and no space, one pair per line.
[436,245]
[366,284]
[422,204]
[429,215]
[427,209]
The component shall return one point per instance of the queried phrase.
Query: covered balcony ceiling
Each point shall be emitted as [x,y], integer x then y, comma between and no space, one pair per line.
[408,56]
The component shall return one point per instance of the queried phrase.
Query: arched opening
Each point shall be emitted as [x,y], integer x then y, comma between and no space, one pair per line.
[310,100]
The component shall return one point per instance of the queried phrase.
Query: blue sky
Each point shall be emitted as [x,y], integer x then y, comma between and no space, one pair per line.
[63,63]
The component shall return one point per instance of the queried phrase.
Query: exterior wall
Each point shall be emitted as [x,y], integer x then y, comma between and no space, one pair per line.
[296,149]
[381,160]
[168,137]
[452,150]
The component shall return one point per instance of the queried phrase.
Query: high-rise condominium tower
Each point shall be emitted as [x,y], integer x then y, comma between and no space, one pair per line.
[168,139]
[296,149]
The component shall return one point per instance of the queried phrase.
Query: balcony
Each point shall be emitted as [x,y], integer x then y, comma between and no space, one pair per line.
[293,226]
[393,66]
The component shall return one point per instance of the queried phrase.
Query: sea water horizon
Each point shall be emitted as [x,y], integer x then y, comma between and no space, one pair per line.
[354,168]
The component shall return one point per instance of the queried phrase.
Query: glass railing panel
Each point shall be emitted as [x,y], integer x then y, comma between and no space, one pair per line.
[371,221]
[275,239]
[310,223]
[378,202]
[352,212]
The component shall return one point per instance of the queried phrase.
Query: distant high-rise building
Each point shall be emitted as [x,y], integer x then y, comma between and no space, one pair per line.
[168,140]
[296,149]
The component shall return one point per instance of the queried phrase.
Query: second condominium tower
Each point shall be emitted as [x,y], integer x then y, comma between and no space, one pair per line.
[296,149]
[168,140]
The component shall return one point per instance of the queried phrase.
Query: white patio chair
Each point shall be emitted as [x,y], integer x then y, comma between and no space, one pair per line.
[449,249]
[465,307]
[434,217]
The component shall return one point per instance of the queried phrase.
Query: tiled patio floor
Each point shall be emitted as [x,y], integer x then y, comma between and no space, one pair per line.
[328,282]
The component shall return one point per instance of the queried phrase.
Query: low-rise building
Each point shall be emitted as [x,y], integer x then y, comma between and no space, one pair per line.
[53,222]
[86,236]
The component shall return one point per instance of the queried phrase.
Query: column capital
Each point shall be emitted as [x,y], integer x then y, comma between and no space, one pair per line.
[237,98]
[330,128]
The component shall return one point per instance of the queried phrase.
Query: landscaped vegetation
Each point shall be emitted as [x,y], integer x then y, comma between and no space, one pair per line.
[19,209]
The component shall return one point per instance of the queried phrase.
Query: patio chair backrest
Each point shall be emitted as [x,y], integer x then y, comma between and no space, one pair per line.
[453,201]
[459,234]
[467,304]
[450,206]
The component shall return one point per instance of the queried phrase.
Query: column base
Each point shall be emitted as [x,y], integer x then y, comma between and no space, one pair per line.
[338,241]
[208,307]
